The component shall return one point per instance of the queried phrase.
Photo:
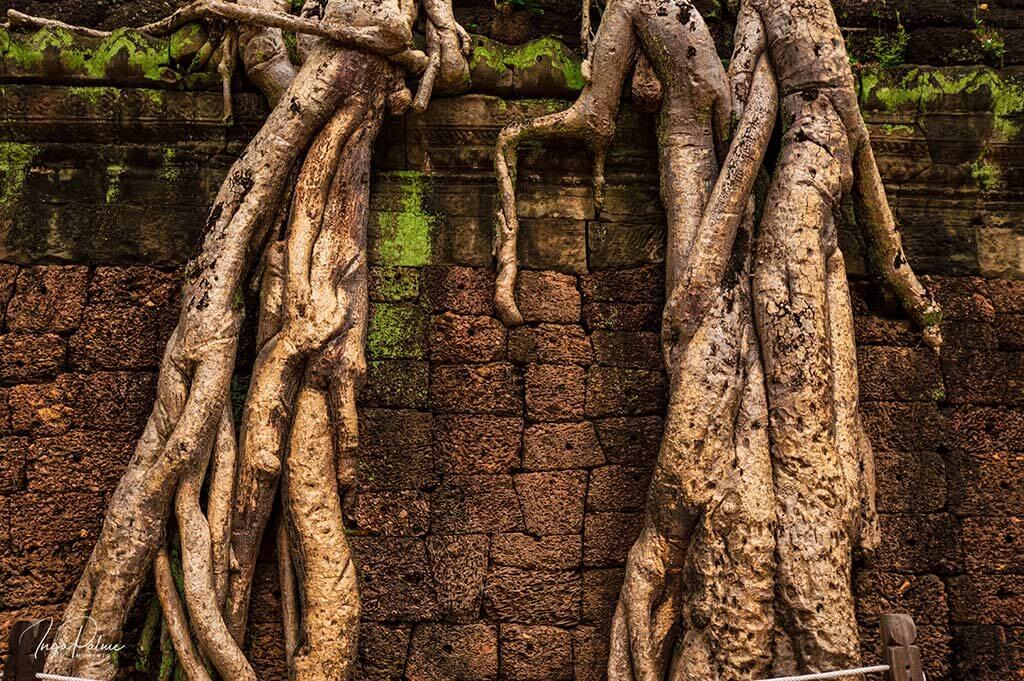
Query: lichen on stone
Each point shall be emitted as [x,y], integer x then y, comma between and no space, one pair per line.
[406,234]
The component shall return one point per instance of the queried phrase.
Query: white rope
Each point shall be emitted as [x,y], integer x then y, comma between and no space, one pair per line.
[834,675]
[54,677]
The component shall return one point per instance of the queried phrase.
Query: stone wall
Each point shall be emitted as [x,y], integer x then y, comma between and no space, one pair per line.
[503,472]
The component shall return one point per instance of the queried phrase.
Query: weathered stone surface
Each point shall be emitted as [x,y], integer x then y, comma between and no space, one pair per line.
[880,593]
[396,384]
[993,545]
[458,565]
[548,297]
[910,482]
[119,337]
[26,357]
[607,538]
[550,344]
[382,651]
[630,441]
[536,653]
[556,446]
[635,350]
[440,652]
[614,245]
[553,244]
[601,594]
[482,389]
[460,338]
[617,488]
[13,457]
[899,374]
[477,444]
[987,599]
[394,284]
[987,484]
[394,579]
[392,514]
[462,290]
[78,461]
[622,316]
[561,552]
[919,544]
[552,503]
[903,426]
[639,285]
[985,429]
[555,392]
[396,450]
[995,378]
[472,504]
[532,596]
[48,298]
[615,391]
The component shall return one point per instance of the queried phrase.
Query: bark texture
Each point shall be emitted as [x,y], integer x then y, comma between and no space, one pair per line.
[764,486]
[293,212]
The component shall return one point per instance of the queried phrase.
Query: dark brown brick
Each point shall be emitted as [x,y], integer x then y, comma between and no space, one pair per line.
[910,482]
[614,391]
[982,653]
[638,285]
[394,579]
[590,653]
[458,565]
[463,290]
[462,339]
[477,444]
[8,279]
[559,446]
[962,298]
[48,299]
[382,651]
[392,514]
[607,537]
[899,374]
[394,284]
[995,378]
[145,286]
[561,552]
[555,392]
[878,593]
[617,488]
[903,426]
[987,599]
[442,652]
[536,653]
[1009,330]
[623,316]
[550,344]
[1007,296]
[79,461]
[265,647]
[117,337]
[993,545]
[875,330]
[630,441]
[14,452]
[532,596]
[987,484]
[601,595]
[631,349]
[42,521]
[483,389]
[471,504]
[986,429]
[919,544]
[42,576]
[396,384]
[396,450]
[26,357]
[552,502]
[548,297]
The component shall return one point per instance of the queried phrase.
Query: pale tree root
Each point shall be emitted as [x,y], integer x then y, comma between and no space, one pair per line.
[195,374]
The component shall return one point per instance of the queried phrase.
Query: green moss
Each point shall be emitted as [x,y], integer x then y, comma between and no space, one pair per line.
[15,161]
[169,169]
[987,175]
[396,283]
[186,42]
[938,395]
[890,48]
[933,318]
[547,50]
[151,59]
[397,332]
[919,90]
[114,172]
[406,235]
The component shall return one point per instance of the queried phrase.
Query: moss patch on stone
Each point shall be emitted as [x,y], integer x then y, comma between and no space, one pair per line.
[544,52]
[397,332]
[406,234]
[15,161]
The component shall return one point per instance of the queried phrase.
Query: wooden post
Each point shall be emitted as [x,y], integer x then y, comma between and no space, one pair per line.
[898,650]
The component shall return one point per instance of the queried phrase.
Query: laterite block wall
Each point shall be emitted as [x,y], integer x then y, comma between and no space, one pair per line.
[503,472]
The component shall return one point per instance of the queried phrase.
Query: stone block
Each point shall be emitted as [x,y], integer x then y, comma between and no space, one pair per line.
[391,514]
[919,544]
[607,538]
[985,429]
[555,392]
[1001,253]
[78,461]
[481,389]
[536,653]
[46,521]
[632,441]
[617,488]
[630,349]
[899,375]
[465,339]
[144,286]
[396,450]
[458,565]
[394,579]
[590,653]
[473,504]
[8,279]
[14,452]
[982,653]
[477,444]
[616,391]
[28,357]
[553,244]
[903,426]
[397,331]
[394,284]
[1007,296]
[382,651]
[995,378]
[548,297]
[530,552]
[880,593]
[462,290]
[987,484]
[622,316]
[552,502]
[559,446]
[442,652]
[119,337]
[601,595]
[910,482]
[617,245]
[48,298]
[993,545]
[987,599]
[396,384]
[532,596]
[550,344]
[638,285]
